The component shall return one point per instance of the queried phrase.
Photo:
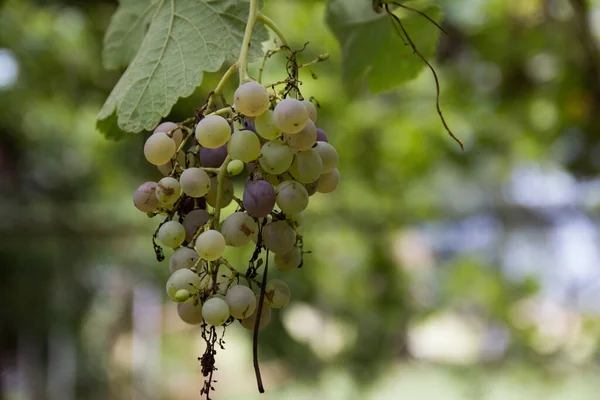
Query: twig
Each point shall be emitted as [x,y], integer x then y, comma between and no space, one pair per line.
[261,301]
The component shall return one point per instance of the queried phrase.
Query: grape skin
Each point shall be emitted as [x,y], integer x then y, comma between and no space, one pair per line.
[311,109]
[166,127]
[235,167]
[244,145]
[215,311]
[303,140]
[285,262]
[251,99]
[226,194]
[265,126]
[241,301]
[168,190]
[182,279]
[213,158]
[307,166]
[159,148]
[190,312]
[144,197]
[290,115]
[193,221]
[292,197]
[183,257]
[265,317]
[278,237]
[238,229]
[194,182]
[171,234]
[259,198]
[321,135]
[210,245]
[276,157]
[329,156]
[213,131]
[327,183]
[277,293]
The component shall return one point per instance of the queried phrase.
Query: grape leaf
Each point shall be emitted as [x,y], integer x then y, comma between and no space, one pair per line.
[182,40]
[372,51]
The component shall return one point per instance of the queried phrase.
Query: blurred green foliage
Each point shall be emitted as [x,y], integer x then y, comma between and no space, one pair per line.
[473,271]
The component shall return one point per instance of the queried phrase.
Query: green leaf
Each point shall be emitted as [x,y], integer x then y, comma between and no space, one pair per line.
[109,128]
[373,53]
[184,39]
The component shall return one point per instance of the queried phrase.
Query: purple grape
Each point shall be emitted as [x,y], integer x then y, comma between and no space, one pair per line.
[321,136]
[249,125]
[213,158]
[259,198]
[194,221]
[311,188]
[188,204]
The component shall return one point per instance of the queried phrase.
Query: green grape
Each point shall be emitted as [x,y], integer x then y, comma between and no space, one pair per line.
[182,295]
[182,279]
[307,166]
[166,127]
[303,140]
[190,312]
[311,109]
[238,229]
[213,131]
[265,125]
[210,245]
[277,293]
[226,194]
[291,197]
[276,157]
[265,317]
[329,156]
[215,311]
[159,148]
[235,167]
[166,168]
[171,234]
[251,99]
[241,301]
[168,190]
[278,237]
[244,145]
[194,182]
[285,262]
[183,257]
[290,115]
[327,183]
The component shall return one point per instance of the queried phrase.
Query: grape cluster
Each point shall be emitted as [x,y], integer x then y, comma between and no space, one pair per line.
[275,144]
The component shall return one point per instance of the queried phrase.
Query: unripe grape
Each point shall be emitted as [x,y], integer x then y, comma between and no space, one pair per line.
[182,279]
[193,221]
[292,197]
[171,234]
[327,183]
[167,127]
[244,145]
[259,198]
[277,293]
[190,312]
[241,301]
[210,245]
[159,148]
[265,317]
[303,140]
[182,295]
[251,99]
[213,131]
[183,257]
[166,168]
[290,115]
[278,237]
[276,157]
[168,190]
[212,158]
[226,193]
[194,182]
[235,167]
[265,125]
[329,156]
[307,166]
[238,229]
[311,109]
[288,261]
[144,197]
[321,135]
[215,311]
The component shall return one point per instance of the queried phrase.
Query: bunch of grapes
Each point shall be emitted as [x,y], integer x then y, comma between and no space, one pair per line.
[271,144]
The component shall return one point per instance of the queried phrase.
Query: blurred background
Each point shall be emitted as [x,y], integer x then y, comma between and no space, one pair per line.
[434,273]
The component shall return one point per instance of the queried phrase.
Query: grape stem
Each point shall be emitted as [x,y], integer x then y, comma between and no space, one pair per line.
[261,301]
[221,85]
[221,174]
[268,22]
[244,51]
